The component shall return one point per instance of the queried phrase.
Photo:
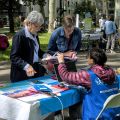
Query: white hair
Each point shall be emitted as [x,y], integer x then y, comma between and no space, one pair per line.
[35,17]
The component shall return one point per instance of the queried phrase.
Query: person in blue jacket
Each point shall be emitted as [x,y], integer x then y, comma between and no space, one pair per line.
[26,51]
[100,80]
[65,39]
[110,30]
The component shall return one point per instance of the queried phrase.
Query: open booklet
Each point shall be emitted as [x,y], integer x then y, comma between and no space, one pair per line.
[32,92]
[54,58]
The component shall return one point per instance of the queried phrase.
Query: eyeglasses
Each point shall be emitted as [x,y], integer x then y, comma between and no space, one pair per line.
[37,25]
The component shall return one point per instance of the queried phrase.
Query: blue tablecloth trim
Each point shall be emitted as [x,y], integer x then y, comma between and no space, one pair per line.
[119,80]
[53,104]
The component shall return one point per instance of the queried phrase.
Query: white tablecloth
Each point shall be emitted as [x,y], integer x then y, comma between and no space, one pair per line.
[12,109]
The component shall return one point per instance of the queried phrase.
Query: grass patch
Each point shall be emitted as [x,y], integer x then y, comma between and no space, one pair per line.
[4,30]
[44,39]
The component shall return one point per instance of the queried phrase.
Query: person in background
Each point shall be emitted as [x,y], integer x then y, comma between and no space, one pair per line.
[102,22]
[102,42]
[4,43]
[26,51]
[110,30]
[65,39]
[100,81]
[102,25]
[55,24]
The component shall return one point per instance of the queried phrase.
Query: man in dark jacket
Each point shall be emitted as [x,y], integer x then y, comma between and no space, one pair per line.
[26,52]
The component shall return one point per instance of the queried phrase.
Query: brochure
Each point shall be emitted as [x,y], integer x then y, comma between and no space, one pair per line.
[29,93]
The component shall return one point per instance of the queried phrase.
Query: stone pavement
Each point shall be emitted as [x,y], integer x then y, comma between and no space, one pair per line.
[113,60]
[5,71]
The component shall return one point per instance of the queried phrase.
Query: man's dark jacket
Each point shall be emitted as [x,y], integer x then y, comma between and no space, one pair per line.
[22,53]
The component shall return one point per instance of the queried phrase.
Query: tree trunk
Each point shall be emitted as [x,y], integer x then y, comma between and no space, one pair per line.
[106,7]
[97,11]
[51,15]
[10,15]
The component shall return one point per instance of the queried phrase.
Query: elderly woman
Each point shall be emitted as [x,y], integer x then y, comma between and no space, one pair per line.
[25,52]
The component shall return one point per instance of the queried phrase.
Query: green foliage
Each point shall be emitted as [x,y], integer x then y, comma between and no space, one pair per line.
[4,5]
[40,2]
[44,38]
[10,7]
[17,22]
[84,7]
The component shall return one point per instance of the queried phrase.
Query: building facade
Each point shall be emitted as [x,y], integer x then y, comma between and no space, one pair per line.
[117,13]
[61,6]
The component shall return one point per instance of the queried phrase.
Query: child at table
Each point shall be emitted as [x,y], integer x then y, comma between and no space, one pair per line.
[99,80]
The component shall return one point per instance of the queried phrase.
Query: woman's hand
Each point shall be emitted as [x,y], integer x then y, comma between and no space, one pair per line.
[69,53]
[74,56]
[60,58]
[30,71]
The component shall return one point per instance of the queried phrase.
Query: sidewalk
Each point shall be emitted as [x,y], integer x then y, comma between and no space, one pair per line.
[4,65]
[5,71]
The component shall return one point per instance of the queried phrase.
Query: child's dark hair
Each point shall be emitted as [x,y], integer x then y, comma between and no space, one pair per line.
[98,55]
